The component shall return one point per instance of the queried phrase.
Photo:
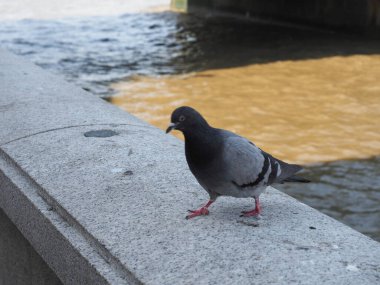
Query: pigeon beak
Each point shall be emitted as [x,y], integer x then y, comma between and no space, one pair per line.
[171,127]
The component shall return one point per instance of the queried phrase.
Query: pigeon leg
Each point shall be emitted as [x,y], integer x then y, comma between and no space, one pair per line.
[201,211]
[253,212]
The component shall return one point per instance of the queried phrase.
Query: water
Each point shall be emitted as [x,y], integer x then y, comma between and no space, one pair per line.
[307,96]
[94,51]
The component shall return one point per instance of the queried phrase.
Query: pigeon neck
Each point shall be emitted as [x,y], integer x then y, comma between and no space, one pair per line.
[201,143]
[198,132]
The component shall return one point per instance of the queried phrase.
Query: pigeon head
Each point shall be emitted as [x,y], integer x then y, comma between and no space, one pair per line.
[185,119]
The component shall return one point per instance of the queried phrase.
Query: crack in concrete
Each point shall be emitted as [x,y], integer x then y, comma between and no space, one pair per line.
[74,126]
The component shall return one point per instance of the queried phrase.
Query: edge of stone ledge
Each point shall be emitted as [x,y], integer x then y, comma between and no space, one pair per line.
[62,234]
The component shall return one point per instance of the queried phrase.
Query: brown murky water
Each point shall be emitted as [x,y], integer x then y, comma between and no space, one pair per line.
[304,111]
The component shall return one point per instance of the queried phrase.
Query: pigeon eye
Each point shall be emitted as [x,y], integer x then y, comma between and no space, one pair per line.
[181,118]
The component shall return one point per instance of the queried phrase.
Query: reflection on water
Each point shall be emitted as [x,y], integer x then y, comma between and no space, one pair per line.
[305,96]
[94,51]
[57,9]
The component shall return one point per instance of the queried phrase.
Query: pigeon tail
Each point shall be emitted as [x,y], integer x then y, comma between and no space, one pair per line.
[288,172]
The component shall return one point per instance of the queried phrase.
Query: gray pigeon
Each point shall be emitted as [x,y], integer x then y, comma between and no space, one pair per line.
[226,164]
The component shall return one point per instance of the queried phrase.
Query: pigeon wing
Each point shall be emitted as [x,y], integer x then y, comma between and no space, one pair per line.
[249,166]
[246,164]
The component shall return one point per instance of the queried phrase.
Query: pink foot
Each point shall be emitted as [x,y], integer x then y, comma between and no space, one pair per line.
[253,212]
[203,211]
[199,212]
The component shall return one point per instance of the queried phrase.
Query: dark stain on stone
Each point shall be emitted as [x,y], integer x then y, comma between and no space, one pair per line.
[100,133]
[250,224]
[302,248]
[128,172]
[6,107]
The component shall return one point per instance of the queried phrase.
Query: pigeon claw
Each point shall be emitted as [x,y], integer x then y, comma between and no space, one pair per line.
[200,212]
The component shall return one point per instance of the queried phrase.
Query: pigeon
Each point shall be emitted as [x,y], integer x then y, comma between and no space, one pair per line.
[226,164]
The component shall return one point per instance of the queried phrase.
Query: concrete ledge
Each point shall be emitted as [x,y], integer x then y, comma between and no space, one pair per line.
[110,210]
[20,264]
